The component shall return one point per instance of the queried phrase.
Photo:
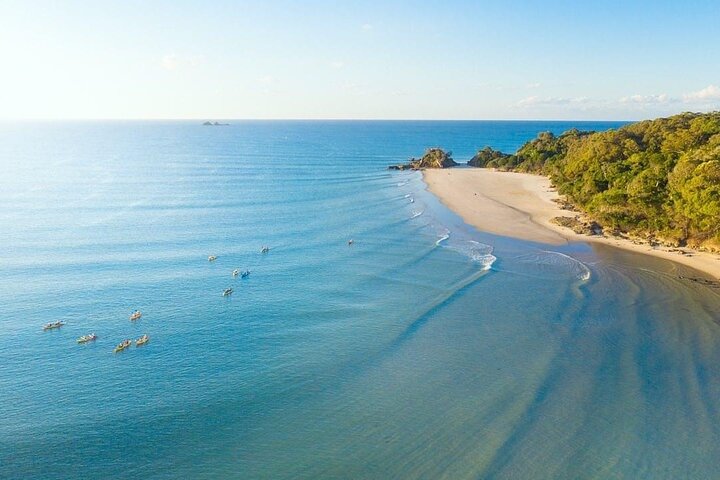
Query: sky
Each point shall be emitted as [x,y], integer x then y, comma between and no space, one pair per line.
[555,59]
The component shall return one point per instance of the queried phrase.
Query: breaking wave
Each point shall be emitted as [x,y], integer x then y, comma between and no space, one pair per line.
[479,253]
[443,237]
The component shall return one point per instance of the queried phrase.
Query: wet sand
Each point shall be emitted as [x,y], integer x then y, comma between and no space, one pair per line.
[521,205]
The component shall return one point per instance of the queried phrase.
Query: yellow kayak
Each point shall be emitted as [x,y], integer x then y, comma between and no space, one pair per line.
[123,345]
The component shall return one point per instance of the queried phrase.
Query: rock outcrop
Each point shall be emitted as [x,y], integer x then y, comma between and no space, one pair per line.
[578,225]
[433,158]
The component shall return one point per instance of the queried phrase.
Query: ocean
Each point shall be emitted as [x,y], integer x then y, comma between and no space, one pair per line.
[424,349]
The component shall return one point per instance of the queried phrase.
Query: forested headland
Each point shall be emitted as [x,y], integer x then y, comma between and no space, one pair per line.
[658,179]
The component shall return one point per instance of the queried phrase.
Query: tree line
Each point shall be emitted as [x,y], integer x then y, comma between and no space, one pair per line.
[657,178]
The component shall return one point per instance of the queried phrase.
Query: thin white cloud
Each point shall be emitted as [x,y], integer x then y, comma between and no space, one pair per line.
[366,26]
[173,61]
[647,99]
[533,85]
[707,94]
[337,65]
[537,101]
[637,101]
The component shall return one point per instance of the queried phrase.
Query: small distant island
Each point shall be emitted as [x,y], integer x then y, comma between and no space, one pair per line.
[215,124]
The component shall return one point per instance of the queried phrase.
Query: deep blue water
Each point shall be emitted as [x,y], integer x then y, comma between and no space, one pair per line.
[424,350]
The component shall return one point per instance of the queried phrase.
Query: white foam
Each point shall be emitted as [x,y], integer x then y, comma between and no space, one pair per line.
[486,261]
[416,214]
[549,264]
[583,273]
[479,253]
[442,239]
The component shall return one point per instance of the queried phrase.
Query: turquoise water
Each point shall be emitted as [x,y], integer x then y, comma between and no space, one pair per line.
[425,349]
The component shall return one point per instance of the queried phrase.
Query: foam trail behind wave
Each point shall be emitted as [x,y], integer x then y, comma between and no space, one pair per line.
[583,272]
[549,264]
[416,214]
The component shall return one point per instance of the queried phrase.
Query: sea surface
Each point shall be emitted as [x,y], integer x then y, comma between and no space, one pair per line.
[424,349]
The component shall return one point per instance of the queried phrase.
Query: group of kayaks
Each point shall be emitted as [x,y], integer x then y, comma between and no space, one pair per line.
[128,343]
[136,315]
[237,272]
[91,337]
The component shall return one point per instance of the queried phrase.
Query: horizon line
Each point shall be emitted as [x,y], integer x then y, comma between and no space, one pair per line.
[279,119]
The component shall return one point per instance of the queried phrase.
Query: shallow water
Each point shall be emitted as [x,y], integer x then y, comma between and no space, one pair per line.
[425,349]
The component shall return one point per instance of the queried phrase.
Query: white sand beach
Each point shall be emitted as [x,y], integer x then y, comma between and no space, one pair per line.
[521,205]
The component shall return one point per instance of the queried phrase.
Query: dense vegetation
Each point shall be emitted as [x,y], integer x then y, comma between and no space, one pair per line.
[488,157]
[658,178]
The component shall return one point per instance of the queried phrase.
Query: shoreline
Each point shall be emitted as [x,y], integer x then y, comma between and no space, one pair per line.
[521,205]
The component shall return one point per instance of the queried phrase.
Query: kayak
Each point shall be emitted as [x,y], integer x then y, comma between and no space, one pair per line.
[87,338]
[122,346]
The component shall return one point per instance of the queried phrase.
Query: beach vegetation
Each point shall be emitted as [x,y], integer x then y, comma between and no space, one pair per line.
[657,178]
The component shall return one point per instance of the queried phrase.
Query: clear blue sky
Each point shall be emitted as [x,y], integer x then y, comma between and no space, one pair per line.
[373,59]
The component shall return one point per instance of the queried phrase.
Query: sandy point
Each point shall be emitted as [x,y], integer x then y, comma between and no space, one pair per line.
[522,205]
